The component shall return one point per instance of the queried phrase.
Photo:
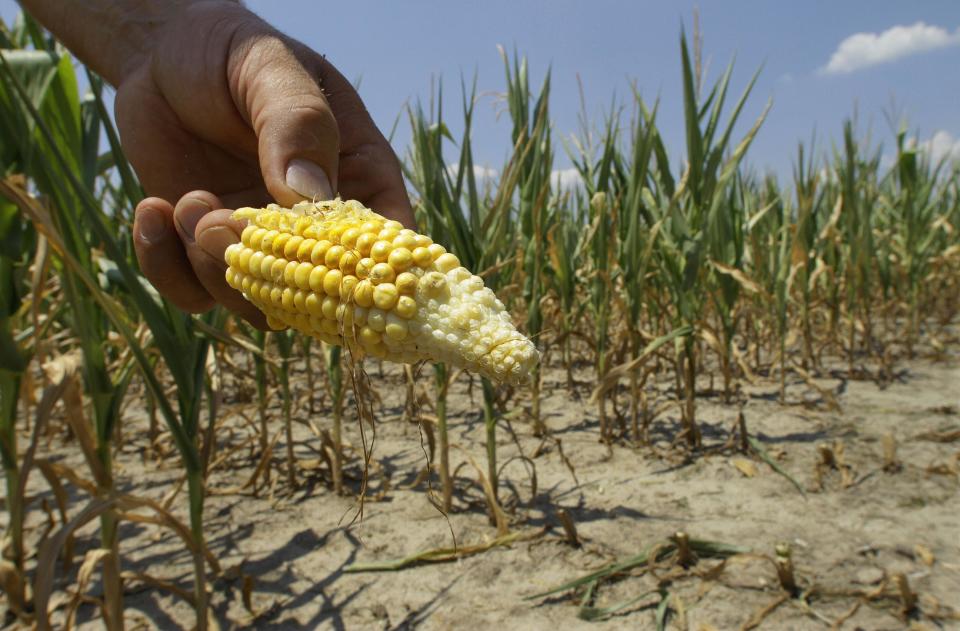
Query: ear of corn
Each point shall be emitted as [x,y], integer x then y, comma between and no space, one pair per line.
[343,274]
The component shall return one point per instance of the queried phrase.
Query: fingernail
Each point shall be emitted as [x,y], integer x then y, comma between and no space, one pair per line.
[309,180]
[215,240]
[189,213]
[152,225]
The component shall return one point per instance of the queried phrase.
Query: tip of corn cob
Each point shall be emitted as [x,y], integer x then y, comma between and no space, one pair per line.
[340,272]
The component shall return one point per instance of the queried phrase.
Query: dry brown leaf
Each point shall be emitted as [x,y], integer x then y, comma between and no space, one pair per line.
[939,437]
[13,587]
[828,396]
[819,269]
[130,576]
[77,419]
[90,561]
[744,365]
[737,274]
[47,557]
[247,596]
[925,554]
[746,467]
[499,517]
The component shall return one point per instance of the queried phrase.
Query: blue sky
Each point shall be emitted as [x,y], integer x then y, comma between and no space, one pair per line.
[822,60]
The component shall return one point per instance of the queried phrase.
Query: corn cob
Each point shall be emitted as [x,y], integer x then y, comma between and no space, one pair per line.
[343,274]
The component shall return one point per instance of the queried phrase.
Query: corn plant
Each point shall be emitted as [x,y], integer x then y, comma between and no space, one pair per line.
[858,197]
[566,225]
[596,162]
[636,246]
[804,255]
[477,231]
[64,169]
[61,141]
[285,346]
[14,357]
[531,137]
[334,367]
[910,211]
[259,338]
[772,232]
[695,213]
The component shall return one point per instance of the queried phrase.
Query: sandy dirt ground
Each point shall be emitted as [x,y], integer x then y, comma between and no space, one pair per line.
[855,527]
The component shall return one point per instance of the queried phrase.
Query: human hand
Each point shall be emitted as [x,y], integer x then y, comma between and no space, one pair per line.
[224,111]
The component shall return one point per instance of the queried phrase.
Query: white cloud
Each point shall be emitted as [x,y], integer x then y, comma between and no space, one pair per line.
[563,180]
[479,172]
[861,50]
[941,145]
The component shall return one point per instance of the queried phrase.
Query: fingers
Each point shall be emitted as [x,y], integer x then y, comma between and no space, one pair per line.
[314,143]
[206,231]
[298,141]
[163,259]
[215,233]
[369,169]
[373,177]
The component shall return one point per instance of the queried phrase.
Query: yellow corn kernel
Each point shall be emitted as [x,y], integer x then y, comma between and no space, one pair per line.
[382,273]
[369,337]
[380,251]
[364,266]
[400,259]
[332,258]
[406,307]
[406,239]
[289,273]
[313,304]
[286,299]
[436,250]
[334,232]
[406,283]
[422,257]
[348,286]
[365,242]
[319,251]
[385,296]
[330,327]
[266,242]
[280,243]
[331,282]
[292,247]
[363,293]
[388,234]
[306,247]
[256,238]
[301,276]
[265,264]
[317,275]
[243,260]
[329,308]
[447,262]
[348,263]
[396,329]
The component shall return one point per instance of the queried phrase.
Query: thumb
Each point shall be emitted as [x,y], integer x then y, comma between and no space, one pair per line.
[297,135]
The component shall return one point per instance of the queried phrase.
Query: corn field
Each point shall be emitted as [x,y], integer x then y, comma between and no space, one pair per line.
[670,282]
